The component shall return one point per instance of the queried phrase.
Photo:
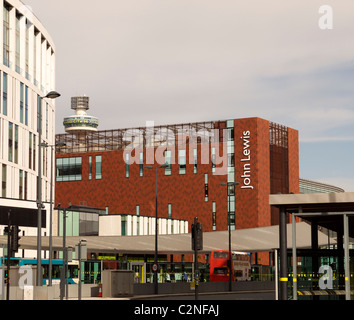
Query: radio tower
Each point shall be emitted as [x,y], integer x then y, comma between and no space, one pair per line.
[80,123]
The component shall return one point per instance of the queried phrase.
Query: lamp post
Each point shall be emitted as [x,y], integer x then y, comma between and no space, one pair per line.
[45,145]
[156,231]
[229,226]
[81,256]
[63,270]
[50,95]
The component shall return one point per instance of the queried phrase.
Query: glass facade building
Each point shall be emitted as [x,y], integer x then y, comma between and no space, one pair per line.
[27,74]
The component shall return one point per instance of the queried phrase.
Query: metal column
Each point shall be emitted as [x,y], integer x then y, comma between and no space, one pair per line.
[283,255]
[346,256]
[294,257]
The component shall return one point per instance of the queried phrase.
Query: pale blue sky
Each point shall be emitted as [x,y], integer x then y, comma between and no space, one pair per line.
[175,61]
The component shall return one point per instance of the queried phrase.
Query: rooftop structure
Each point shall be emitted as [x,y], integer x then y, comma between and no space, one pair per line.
[81,122]
[308,186]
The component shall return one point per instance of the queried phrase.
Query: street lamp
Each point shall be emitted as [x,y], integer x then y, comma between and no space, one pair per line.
[50,95]
[65,252]
[229,225]
[45,145]
[156,231]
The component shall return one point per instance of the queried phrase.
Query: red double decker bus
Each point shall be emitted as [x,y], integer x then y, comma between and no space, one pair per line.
[219,266]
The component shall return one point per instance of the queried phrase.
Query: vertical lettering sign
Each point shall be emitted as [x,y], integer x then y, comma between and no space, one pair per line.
[246,160]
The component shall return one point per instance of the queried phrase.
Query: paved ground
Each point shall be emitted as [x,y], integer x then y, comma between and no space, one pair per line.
[239,295]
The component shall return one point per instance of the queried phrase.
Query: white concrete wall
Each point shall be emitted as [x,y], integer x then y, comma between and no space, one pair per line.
[110,225]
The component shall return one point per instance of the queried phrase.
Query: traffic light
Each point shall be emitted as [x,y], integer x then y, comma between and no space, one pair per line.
[6,231]
[197,236]
[15,238]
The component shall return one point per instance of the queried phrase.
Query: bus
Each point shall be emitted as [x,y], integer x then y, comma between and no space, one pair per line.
[57,265]
[241,265]
[219,266]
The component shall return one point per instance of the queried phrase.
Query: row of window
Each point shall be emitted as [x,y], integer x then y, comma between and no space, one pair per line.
[13,149]
[213,216]
[24,26]
[70,169]
[123,226]
[182,161]
[22,184]
[24,106]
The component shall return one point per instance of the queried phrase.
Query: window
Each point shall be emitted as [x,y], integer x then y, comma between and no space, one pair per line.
[230,123]
[21,102]
[232,220]
[34,152]
[221,255]
[69,169]
[28,25]
[141,164]
[17,51]
[16,144]
[6,35]
[10,141]
[90,167]
[182,161]
[4,94]
[20,188]
[124,225]
[168,155]
[195,160]
[206,191]
[3,181]
[25,185]
[213,161]
[127,165]
[39,121]
[88,223]
[98,167]
[46,120]
[231,160]
[137,219]
[26,105]
[170,210]
[30,141]
[214,216]
[230,134]
[81,223]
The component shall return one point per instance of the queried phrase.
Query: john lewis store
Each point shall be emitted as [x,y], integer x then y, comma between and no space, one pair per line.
[205,169]
[254,157]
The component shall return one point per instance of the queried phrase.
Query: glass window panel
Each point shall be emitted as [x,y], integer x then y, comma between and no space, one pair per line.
[69,169]
[127,165]
[182,161]
[98,167]
[168,156]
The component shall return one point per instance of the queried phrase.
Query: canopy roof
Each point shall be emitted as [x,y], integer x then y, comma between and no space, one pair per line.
[247,240]
[324,209]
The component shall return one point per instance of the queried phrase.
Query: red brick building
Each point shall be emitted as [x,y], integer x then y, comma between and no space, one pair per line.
[107,169]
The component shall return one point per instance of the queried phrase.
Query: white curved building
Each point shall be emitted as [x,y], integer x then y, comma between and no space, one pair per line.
[27,74]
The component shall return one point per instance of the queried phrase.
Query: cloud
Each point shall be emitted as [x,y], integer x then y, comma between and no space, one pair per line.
[181,61]
[194,60]
[326,139]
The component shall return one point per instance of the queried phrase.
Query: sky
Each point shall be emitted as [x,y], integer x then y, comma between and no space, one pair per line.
[179,61]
